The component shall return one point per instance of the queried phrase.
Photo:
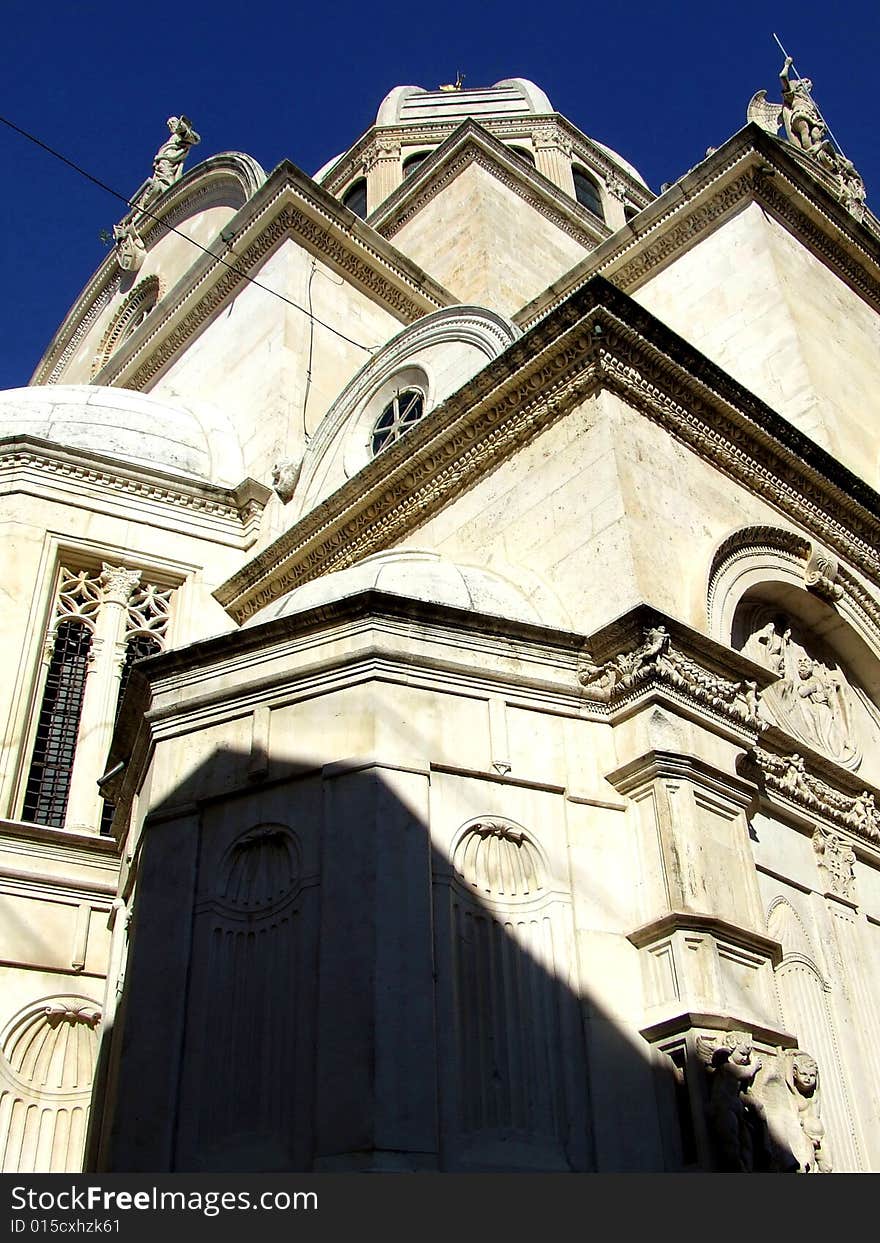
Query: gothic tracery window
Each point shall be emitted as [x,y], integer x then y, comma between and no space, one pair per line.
[102,622]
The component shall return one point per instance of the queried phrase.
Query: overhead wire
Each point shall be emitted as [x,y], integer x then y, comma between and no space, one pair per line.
[368,349]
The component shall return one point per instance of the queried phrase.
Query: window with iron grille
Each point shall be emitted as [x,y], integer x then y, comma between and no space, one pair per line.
[102,622]
[401,412]
[45,799]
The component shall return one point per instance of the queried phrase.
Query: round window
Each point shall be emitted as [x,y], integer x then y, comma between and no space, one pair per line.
[404,409]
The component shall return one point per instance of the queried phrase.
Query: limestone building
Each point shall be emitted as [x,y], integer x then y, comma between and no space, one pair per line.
[443,620]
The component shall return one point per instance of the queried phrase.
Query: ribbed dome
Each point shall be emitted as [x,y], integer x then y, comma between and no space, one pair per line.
[112,421]
[417,575]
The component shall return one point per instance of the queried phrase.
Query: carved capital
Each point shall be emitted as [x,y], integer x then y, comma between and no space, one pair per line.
[117,583]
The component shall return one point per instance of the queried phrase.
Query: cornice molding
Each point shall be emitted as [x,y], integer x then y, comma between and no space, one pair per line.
[240,507]
[288,205]
[470,144]
[598,339]
[750,167]
[583,148]
[230,168]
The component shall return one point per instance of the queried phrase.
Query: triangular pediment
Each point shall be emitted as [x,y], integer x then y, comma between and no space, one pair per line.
[507,230]
[598,341]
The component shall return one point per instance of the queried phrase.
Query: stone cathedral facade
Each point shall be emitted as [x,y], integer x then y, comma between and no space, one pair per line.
[442,722]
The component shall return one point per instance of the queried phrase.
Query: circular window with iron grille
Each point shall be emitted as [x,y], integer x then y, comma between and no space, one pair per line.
[404,409]
[128,318]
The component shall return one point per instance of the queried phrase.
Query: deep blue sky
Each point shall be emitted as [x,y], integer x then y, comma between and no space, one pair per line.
[658,82]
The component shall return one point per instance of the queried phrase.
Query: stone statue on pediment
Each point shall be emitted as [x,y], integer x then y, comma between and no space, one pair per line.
[804,124]
[169,159]
[806,129]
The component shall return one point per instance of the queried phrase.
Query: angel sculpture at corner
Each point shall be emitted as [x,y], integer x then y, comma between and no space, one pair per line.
[736,1115]
[807,131]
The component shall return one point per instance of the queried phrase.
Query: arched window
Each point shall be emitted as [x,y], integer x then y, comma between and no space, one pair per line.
[355,198]
[629,211]
[402,411]
[586,191]
[48,784]
[412,162]
[523,153]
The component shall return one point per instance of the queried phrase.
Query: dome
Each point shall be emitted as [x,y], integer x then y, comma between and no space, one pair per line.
[413,105]
[622,163]
[114,422]
[414,575]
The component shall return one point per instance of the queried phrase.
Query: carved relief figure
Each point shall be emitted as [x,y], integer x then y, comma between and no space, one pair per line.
[790,1095]
[130,248]
[812,699]
[836,859]
[736,1113]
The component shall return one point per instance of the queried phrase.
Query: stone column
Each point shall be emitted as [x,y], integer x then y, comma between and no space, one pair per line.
[99,701]
[383,170]
[613,201]
[553,157]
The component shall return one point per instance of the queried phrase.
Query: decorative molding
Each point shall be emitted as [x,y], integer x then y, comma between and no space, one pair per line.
[229,168]
[575,221]
[566,137]
[787,775]
[237,506]
[836,859]
[655,661]
[750,167]
[349,255]
[599,339]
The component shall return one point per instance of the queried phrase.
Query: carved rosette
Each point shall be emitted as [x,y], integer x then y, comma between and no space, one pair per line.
[657,660]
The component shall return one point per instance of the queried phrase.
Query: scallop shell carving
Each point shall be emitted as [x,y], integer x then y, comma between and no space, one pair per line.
[52,1045]
[261,868]
[499,859]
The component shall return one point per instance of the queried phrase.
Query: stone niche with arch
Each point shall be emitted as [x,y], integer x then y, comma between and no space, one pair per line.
[793,609]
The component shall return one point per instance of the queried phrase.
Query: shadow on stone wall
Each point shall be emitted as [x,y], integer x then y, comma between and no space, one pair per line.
[313,986]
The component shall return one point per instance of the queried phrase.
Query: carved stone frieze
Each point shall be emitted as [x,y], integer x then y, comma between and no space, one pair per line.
[836,861]
[656,660]
[788,775]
